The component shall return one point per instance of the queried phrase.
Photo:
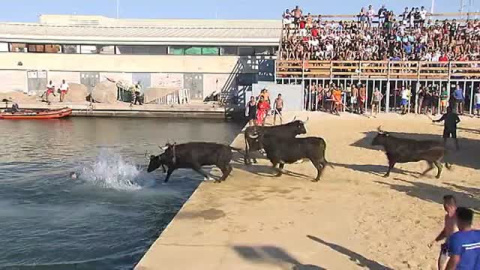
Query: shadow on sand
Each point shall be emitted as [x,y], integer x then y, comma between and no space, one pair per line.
[273,256]
[355,257]
[466,196]
[265,170]
[465,157]
[378,170]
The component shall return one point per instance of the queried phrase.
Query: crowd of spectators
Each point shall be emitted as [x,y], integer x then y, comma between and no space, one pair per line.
[382,35]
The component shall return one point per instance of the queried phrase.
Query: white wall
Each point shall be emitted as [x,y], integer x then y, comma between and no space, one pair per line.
[13,81]
[57,76]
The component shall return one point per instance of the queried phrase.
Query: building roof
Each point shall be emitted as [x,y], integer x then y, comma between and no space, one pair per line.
[66,29]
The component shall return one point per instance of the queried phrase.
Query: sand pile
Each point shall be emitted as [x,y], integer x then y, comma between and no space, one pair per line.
[19,97]
[77,93]
[154,93]
[105,92]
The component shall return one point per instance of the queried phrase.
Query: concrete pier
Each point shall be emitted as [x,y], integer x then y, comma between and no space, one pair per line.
[86,109]
[352,219]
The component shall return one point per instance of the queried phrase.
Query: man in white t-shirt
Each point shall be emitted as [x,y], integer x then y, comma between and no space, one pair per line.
[423,16]
[370,15]
[477,102]
[63,90]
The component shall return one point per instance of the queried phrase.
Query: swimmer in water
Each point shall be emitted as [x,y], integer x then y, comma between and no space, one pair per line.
[73,175]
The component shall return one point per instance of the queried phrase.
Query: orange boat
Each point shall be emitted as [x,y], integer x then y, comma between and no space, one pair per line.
[28,114]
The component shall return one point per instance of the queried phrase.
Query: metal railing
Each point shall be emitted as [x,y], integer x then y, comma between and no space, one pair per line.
[378,69]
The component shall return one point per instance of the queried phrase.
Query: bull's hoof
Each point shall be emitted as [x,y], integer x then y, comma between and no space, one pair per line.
[386,175]
[255,161]
[438,176]
[315,180]
[278,175]
[217,181]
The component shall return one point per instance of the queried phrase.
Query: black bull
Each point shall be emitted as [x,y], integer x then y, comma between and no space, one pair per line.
[400,150]
[254,135]
[194,155]
[289,150]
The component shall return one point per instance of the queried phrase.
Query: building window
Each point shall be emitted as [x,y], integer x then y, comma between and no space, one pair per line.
[53,48]
[3,47]
[142,50]
[71,48]
[210,51]
[88,49]
[39,48]
[176,50]
[263,51]
[18,47]
[246,51]
[101,49]
[230,50]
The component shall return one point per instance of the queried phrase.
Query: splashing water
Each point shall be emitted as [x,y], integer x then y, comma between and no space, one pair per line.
[110,170]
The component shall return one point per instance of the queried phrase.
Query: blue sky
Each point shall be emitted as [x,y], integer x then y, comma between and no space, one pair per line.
[29,10]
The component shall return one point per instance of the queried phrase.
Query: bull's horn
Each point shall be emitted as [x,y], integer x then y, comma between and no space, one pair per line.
[253,136]
[294,118]
[379,129]
[308,118]
[147,155]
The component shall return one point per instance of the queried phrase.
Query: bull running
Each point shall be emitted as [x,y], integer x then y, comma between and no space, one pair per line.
[400,150]
[289,150]
[193,156]
[254,135]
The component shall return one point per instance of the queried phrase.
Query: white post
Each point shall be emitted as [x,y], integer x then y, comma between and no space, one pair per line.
[432,7]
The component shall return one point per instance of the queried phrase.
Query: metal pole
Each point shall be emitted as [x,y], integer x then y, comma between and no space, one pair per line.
[449,81]
[472,97]
[366,96]
[387,94]
[417,88]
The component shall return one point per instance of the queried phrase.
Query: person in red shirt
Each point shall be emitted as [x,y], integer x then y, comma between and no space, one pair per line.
[443,58]
[314,31]
[262,109]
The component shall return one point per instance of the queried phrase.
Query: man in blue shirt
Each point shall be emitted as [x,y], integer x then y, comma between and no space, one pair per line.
[459,99]
[464,245]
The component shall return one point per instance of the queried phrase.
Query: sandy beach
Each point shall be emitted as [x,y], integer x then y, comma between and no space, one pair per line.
[352,219]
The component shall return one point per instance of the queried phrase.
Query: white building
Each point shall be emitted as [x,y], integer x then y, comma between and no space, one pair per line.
[200,55]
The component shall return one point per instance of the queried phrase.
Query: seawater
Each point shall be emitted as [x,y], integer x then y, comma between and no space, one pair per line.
[109,216]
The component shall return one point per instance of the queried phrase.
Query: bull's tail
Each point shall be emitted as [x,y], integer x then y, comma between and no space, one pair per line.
[329,164]
[324,152]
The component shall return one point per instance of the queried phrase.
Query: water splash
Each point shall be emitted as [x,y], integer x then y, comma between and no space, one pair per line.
[110,170]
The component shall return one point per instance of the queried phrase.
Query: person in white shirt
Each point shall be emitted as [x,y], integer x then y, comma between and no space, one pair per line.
[423,16]
[477,102]
[50,91]
[370,15]
[63,90]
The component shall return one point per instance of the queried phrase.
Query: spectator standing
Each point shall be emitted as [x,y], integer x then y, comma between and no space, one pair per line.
[297,14]
[477,102]
[459,99]
[404,101]
[449,228]
[251,111]
[382,14]
[137,92]
[370,15]
[262,110]
[278,107]
[423,16]
[362,98]
[63,90]
[421,96]
[450,129]
[435,100]
[443,100]
[354,99]
[464,245]
[376,101]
